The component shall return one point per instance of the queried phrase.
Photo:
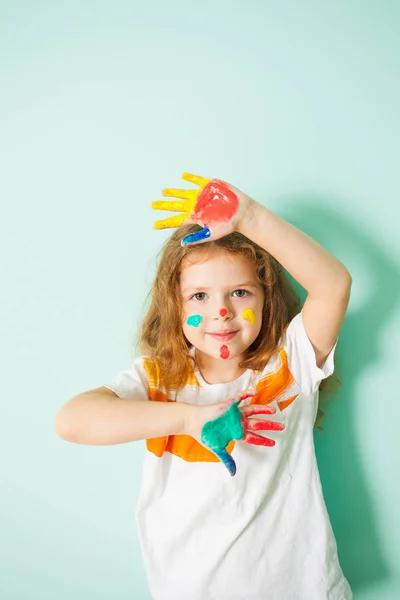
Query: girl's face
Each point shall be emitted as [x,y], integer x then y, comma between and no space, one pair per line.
[222,303]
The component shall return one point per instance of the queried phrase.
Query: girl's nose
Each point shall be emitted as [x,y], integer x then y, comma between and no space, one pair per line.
[222,312]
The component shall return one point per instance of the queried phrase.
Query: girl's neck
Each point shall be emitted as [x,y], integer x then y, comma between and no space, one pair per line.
[215,370]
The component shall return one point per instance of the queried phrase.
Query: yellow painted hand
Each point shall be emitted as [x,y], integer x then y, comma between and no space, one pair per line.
[215,206]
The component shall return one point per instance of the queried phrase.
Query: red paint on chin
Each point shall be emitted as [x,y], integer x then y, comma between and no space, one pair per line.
[223,312]
[216,203]
[224,352]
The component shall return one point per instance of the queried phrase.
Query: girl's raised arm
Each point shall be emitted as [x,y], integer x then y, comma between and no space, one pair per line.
[321,274]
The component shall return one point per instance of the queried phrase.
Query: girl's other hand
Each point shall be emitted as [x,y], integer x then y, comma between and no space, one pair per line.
[216,425]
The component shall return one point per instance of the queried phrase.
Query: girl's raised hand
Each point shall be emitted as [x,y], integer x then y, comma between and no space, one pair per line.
[217,206]
[216,425]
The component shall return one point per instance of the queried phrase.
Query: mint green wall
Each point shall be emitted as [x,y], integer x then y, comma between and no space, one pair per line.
[102,105]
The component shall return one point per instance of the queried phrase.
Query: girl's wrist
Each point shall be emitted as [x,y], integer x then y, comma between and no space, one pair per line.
[188,418]
[247,217]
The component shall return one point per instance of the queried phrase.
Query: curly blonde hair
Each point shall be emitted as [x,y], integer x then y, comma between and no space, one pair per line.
[161,337]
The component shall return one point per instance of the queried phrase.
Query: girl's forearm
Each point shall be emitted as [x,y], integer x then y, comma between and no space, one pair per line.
[316,269]
[97,419]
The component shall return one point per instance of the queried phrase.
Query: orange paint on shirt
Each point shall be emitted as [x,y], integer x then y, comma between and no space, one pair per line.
[269,388]
[275,384]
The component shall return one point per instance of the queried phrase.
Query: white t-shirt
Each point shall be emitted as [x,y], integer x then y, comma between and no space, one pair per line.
[263,534]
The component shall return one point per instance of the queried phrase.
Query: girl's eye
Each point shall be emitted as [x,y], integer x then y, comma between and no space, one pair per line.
[198,294]
[242,293]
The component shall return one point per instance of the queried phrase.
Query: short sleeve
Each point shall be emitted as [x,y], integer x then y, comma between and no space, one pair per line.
[131,383]
[301,357]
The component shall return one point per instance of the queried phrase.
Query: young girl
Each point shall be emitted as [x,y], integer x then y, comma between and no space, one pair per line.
[223,340]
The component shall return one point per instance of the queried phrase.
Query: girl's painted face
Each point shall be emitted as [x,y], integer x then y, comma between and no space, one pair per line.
[222,302]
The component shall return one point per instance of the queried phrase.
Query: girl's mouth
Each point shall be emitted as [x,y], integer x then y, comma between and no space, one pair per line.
[224,337]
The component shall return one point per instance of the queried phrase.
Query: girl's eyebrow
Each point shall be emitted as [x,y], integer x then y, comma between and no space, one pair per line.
[236,287]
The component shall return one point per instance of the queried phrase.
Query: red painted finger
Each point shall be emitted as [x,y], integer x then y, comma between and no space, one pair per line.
[257,409]
[257,425]
[257,440]
[247,394]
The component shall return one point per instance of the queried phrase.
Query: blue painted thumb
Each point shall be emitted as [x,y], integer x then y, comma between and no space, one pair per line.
[227,460]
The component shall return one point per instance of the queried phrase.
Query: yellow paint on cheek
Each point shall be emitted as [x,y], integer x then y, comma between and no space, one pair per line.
[249,315]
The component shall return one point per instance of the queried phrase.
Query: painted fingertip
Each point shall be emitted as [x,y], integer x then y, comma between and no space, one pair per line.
[245,395]
[198,236]
[226,460]
[231,466]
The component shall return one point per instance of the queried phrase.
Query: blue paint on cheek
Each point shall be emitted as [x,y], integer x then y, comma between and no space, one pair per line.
[194,320]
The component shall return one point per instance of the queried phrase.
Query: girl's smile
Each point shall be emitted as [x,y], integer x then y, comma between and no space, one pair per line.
[224,336]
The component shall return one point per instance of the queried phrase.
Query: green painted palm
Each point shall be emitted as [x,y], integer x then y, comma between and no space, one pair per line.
[217,434]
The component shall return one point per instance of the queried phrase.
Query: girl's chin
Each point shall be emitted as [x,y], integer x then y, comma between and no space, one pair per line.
[226,352]
[214,348]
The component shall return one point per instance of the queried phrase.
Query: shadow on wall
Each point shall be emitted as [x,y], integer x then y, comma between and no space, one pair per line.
[348,500]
